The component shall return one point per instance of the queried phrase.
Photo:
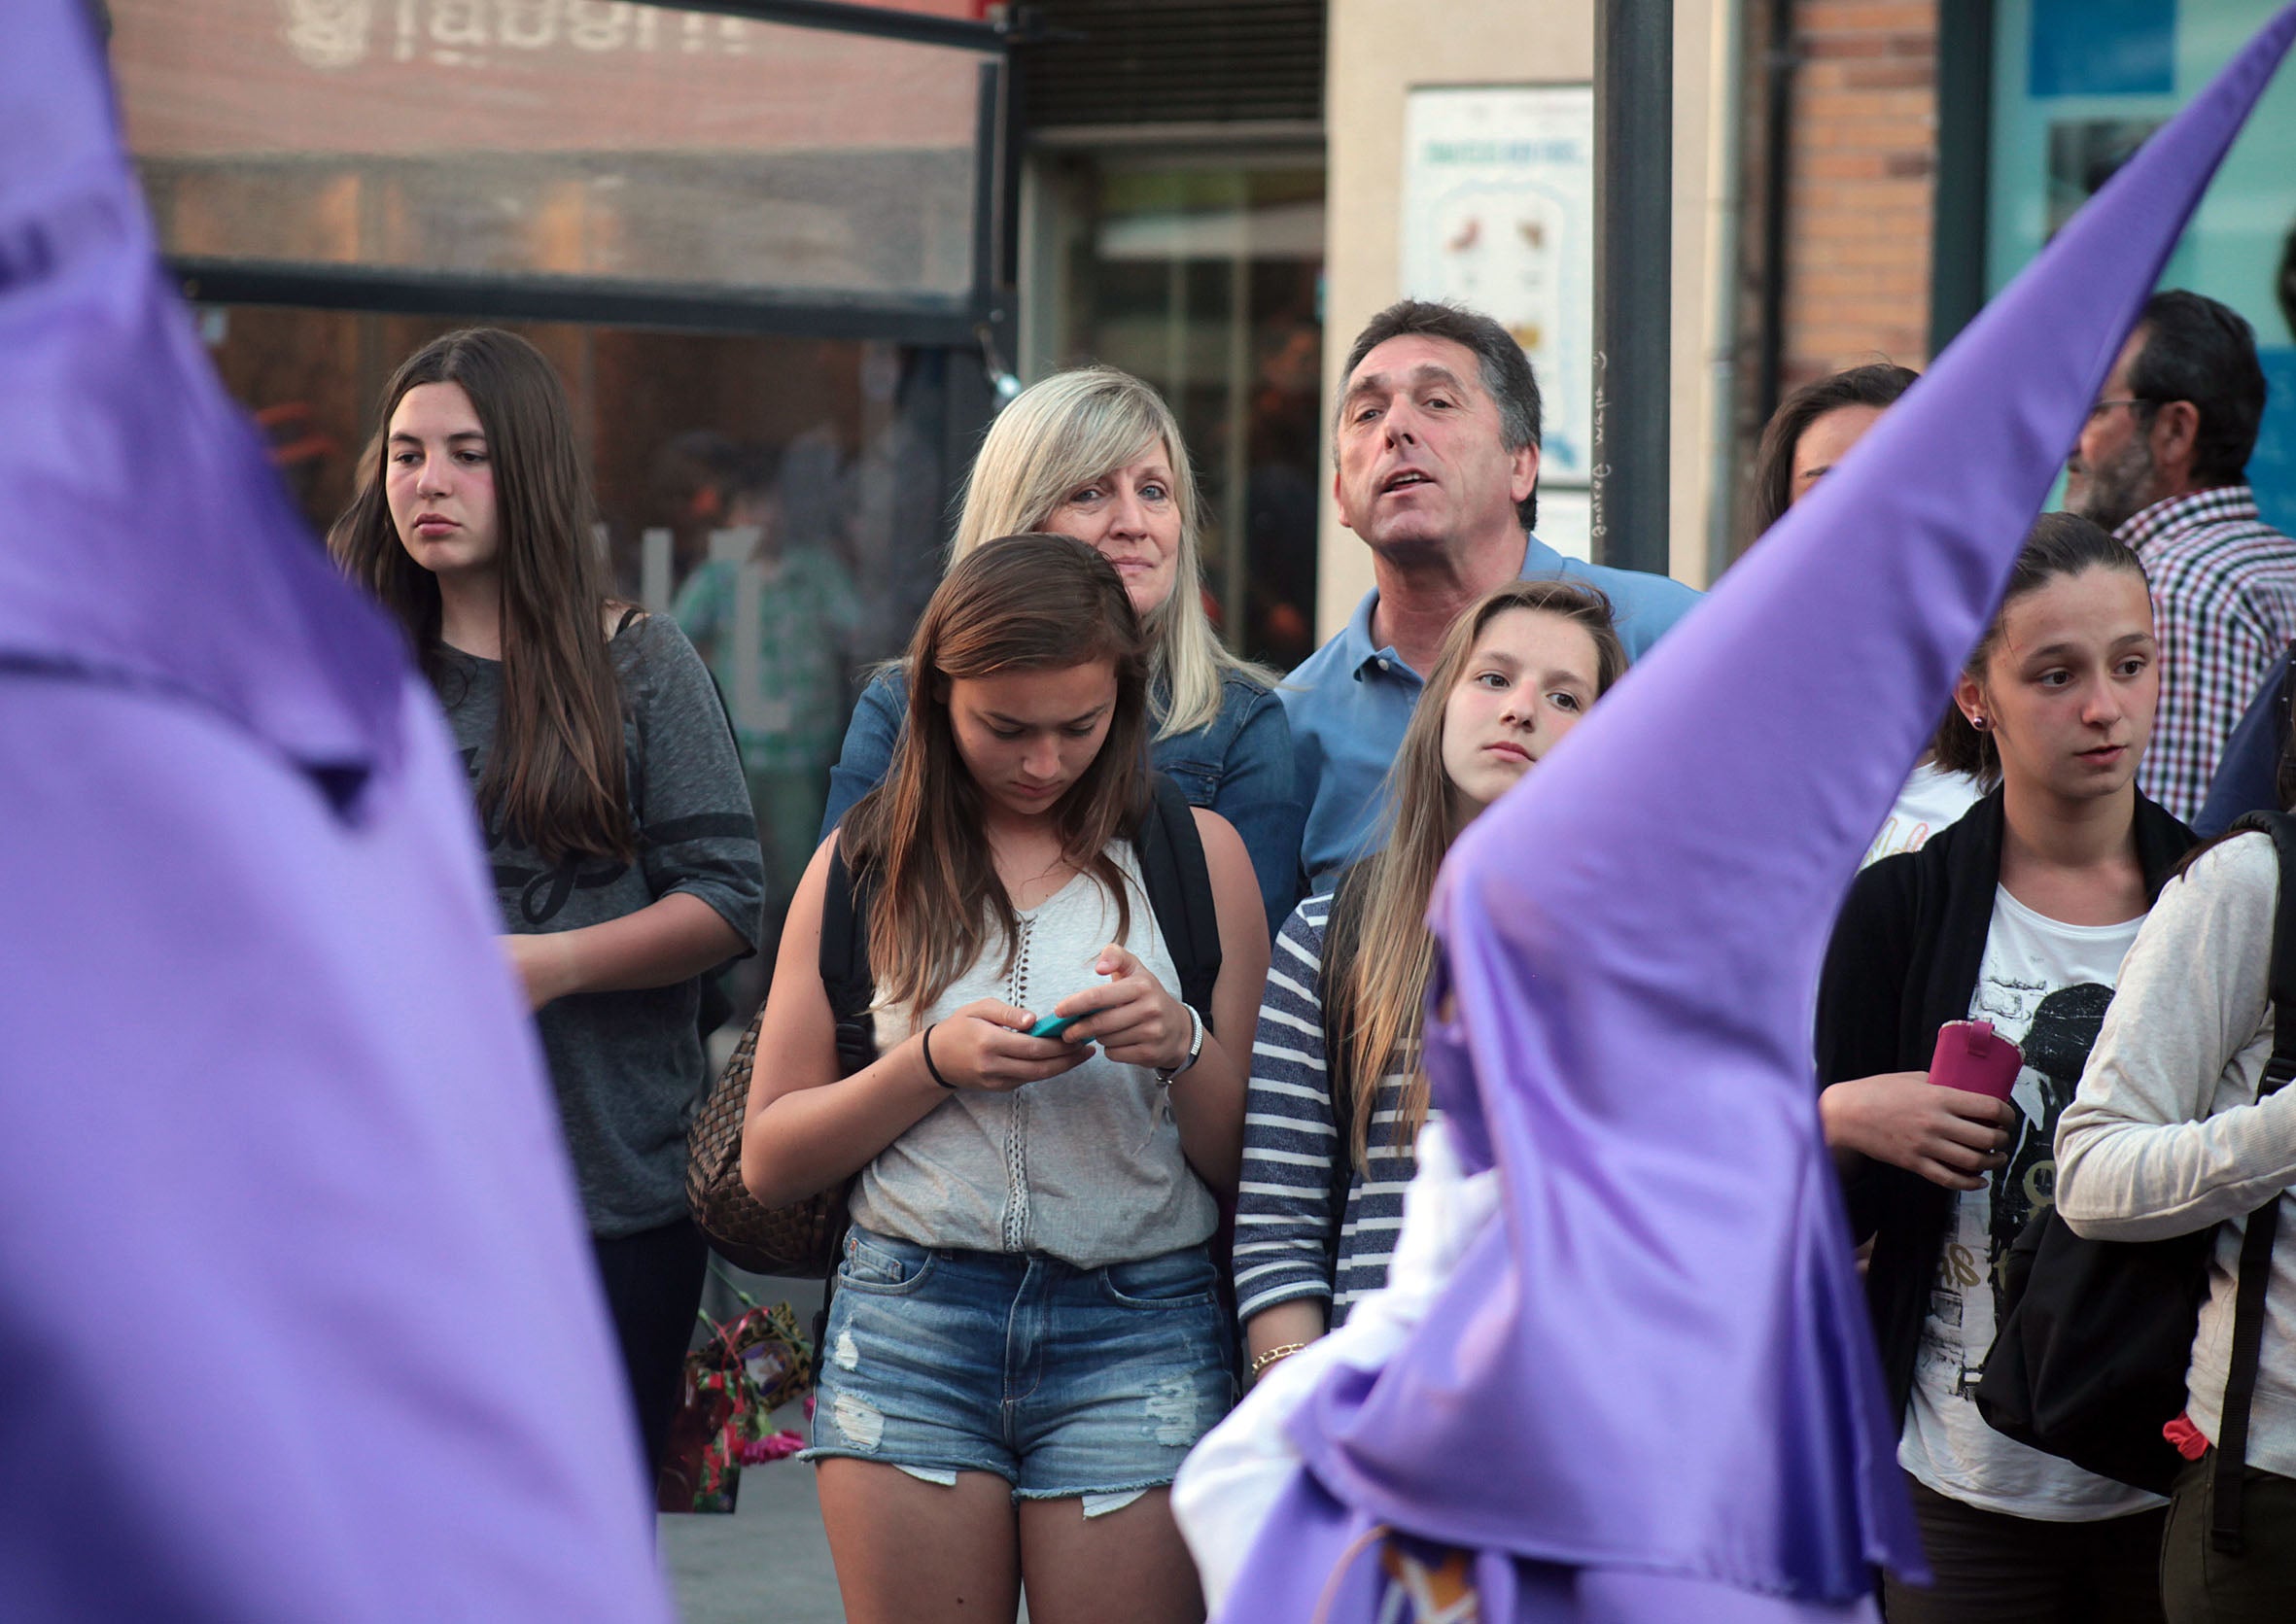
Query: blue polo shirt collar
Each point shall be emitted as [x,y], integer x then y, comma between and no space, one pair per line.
[1539,559]
[1367,661]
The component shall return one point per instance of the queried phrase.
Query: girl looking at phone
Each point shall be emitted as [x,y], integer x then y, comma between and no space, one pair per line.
[2017,914]
[1325,1162]
[1024,1340]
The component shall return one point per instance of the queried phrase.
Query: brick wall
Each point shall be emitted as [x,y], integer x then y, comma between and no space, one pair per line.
[1860,182]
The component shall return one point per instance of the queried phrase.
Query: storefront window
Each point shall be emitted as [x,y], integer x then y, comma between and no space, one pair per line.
[595,139]
[1203,278]
[2077,85]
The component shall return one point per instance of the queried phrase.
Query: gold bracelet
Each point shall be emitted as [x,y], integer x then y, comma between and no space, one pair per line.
[1273,1355]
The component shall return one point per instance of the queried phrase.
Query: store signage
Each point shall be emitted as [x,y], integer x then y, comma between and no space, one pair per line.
[336,34]
[1498,214]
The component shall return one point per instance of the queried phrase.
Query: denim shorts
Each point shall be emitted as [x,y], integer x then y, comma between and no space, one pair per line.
[1061,1381]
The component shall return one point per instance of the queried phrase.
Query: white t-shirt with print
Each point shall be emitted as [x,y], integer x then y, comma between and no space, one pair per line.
[2044,986]
[1931,799]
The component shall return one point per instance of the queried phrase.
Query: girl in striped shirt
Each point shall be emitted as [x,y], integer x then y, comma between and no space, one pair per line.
[1325,1159]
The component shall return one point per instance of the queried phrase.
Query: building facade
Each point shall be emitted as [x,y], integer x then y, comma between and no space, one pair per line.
[752,244]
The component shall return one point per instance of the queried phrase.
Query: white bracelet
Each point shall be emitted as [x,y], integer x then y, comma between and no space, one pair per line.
[1195,1049]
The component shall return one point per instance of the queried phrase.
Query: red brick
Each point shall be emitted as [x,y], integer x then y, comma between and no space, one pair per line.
[1894,75]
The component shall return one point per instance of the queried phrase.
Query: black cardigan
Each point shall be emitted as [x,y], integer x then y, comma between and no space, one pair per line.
[1904,960]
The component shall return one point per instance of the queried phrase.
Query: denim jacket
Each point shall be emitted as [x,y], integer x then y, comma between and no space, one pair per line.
[1239,766]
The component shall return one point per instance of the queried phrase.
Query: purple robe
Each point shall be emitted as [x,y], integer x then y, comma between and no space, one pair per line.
[1649,1393]
[298,1315]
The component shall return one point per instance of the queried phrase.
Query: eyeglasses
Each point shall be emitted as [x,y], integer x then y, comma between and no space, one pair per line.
[2103,406]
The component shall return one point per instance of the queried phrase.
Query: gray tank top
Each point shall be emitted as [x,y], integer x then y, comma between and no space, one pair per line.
[1085,1166]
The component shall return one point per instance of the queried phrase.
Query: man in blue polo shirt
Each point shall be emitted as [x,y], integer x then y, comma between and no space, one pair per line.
[1436,442]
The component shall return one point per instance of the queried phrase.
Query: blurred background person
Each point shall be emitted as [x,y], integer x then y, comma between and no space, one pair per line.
[2162,462]
[1809,433]
[774,613]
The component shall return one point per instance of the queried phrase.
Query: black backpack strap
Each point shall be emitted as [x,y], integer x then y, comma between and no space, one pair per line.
[853,992]
[1179,885]
[846,975]
[2263,1226]
[1342,930]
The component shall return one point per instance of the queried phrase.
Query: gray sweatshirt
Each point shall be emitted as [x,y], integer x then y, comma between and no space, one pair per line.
[627,1065]
[2167,1136]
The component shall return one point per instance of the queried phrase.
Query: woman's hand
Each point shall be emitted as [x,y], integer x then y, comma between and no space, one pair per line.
[1133,1020]
[985,1045]
[1949,1137]
[545,966]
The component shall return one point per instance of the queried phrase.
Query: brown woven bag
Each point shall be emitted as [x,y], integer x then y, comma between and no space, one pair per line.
[798,1240]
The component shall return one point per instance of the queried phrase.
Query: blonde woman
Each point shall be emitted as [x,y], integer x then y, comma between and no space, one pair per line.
[1095,454]
[1329,1136]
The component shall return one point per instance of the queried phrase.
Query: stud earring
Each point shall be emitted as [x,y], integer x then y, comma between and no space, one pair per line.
[1978,722]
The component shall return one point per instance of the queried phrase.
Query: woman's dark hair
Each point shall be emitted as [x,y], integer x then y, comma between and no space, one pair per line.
[1019,602]
[1878,385]
[2285,283]
[2059,544]
[555,773]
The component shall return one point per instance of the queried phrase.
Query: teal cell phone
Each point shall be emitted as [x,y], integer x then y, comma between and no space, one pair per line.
[1054,1025]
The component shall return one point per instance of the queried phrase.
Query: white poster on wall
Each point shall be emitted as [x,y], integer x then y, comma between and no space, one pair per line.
[1498,214]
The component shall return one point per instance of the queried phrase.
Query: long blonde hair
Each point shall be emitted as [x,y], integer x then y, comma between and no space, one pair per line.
[1059,435]
[1382,987]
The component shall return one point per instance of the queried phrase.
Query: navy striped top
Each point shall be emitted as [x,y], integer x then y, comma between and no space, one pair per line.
[1283,1205]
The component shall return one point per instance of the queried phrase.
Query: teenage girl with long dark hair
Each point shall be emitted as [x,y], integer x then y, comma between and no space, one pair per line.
[1025,1339]
[2018,914]
[614,810]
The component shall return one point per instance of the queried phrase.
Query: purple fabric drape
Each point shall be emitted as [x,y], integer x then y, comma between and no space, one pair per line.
[1655,1380]
[297,1317]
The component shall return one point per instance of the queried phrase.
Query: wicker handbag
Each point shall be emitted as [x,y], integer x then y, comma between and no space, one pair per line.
[797,1239]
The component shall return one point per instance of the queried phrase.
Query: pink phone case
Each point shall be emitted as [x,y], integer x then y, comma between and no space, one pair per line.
[1974,1057]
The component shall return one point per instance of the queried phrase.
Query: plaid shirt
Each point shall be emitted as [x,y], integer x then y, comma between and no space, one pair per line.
[2224,600]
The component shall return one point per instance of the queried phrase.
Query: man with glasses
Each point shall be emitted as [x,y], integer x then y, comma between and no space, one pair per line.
[2162,462]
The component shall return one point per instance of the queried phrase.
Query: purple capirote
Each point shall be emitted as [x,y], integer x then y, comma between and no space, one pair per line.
[297,1317]
[1649,1394]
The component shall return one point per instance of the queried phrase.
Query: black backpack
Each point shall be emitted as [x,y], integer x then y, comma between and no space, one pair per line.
[1172,871]
[1179,886]
[2095,1336]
